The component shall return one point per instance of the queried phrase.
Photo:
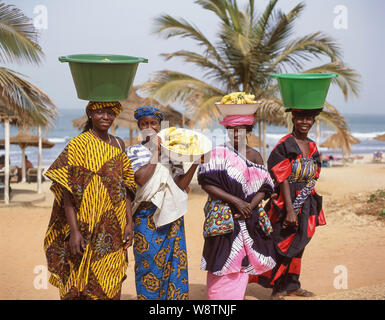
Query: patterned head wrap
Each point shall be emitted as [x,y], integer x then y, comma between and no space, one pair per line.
[237,120]
[114,105]
[148,111]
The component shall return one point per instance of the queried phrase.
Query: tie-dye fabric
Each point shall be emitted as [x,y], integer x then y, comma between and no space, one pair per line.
[247,249]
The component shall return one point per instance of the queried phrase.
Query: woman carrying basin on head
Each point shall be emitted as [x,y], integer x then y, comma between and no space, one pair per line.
[295,166]
[236,229]
[91,222]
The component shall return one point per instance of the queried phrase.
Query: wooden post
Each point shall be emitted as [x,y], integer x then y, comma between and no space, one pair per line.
[113,129]
[6,163]
[260,136]
[317,132]
[23,165]
[39,162]
[264,143]
[131,136]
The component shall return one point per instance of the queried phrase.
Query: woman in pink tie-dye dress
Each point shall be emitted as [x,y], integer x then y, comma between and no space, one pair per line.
[236,229]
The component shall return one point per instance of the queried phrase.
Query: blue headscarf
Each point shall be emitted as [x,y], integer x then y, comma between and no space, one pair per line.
[148,111]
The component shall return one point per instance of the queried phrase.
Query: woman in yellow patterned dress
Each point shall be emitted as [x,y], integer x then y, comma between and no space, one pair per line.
[91,223]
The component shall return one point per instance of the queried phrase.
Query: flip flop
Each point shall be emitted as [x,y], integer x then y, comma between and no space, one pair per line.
[300,293]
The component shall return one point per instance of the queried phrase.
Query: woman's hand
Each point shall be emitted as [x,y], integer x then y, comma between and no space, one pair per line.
[291,219]
[128,235]
[77,243]
[244,208]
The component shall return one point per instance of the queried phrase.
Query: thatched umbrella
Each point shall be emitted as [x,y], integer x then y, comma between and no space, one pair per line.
[337,141]
[25,140]
[254,141]
[126,117]
[380,138]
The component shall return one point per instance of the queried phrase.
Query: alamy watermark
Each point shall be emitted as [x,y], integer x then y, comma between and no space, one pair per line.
[341,280]
[341,18]
[41,280]
[40,19]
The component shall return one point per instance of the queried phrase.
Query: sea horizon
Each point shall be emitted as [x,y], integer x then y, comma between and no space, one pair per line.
[362,126]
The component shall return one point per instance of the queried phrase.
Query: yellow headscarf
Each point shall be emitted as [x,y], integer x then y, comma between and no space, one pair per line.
[114,105]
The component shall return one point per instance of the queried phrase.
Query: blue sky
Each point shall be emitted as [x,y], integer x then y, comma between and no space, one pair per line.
[125,27]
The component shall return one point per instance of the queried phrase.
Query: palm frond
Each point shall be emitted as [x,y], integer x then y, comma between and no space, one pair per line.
[175,87]
[203,110]
[306,48]
[170,27]
[216,6]
[25,99]
[18,37]
[212,69]
[347,80]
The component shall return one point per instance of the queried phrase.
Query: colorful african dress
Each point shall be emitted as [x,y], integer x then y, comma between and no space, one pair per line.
[247,249]
[98,176]
[287,161]
[160,253]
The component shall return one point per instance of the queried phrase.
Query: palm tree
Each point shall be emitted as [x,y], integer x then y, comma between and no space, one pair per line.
[31,106]
[18,43]
[249,47]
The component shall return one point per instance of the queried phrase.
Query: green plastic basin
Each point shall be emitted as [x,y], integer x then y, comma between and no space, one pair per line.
[304,90]
[102,77]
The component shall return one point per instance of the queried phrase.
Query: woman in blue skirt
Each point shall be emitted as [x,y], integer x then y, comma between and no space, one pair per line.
[159,241]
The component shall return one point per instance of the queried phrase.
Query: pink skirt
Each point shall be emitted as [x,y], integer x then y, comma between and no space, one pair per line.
[227,287]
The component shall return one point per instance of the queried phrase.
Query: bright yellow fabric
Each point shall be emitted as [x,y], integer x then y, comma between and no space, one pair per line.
[97,175]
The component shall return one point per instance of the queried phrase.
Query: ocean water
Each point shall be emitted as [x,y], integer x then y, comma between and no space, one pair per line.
[363,127]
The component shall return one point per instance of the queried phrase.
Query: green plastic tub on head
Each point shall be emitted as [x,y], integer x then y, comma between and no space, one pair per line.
[102,77]
[304,90]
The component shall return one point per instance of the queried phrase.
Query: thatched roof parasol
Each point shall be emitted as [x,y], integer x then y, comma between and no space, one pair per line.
[337,141]
[27,140]
[126,117]
[380,138]
[253,141]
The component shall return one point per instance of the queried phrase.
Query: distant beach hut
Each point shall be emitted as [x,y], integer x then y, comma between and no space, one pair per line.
[126,117]
[380,138]
[337,141]
[24,140]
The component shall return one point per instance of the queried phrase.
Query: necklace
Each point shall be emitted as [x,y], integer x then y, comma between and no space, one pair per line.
[95,135]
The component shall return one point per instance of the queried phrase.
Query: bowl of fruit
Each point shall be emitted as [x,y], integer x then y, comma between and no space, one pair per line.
[184,145]
[237,103]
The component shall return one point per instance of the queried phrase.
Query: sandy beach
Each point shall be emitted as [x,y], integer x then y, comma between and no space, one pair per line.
[353,241]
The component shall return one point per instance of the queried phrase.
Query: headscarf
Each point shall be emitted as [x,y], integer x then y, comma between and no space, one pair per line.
[148,111]
[237,120]
[114,105]
[304,112]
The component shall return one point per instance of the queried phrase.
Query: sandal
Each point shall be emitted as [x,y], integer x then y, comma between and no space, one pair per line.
[300,293]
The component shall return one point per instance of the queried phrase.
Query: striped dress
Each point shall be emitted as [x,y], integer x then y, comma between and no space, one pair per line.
[98,176]
[247,249]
